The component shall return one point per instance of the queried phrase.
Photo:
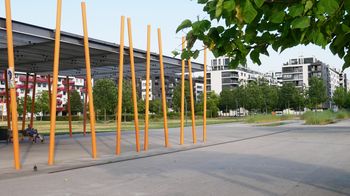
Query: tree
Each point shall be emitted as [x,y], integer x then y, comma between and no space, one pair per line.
[254,97]
[155,106]
[340,96]
[270,97]
[249,27]
[288,96]
[105,96]
[43,102]
[317,92]
[76,103]
[29,105]
[212,104]
[227,100]
[176,99]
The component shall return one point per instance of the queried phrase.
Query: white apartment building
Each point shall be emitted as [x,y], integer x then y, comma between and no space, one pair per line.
[143,90]
[220,76]
[77,84]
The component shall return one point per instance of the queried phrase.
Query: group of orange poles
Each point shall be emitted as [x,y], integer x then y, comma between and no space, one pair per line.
[53,91]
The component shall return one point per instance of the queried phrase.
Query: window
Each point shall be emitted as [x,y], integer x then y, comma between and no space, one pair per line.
[44,85]
[39,84]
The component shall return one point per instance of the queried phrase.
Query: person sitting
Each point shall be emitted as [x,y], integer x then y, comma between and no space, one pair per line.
[33,133]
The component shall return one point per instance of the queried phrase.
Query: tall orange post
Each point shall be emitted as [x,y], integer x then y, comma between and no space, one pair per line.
[120,84]
[49,87]
[148,70]
[192,102]
[25,102]
[163,88]
[7,95]
[205,97]
[88,82]
[133,84]
[11,62]
[85,108]
[54,83]
[33,102]
[68,107]
[182,96]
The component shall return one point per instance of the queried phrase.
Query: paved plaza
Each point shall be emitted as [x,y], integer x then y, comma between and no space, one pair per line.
[238,159]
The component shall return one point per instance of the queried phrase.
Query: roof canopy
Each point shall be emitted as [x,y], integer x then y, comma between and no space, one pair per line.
[34,49]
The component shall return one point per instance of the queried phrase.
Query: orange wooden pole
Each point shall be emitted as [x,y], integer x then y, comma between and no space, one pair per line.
[192,102]
[205,97]
[49,87]
[133,84]
[11,62]
[85,108]
[33,103]
[163,89]
[7,101]
[25,102]
[54,83]
[68,107]
[182,124]
[88,82]
[148,70]
[120,84]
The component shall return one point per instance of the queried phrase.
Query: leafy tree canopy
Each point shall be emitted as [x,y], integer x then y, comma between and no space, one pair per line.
[248,27]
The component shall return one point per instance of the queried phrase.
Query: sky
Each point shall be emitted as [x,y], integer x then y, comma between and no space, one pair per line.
[104,23]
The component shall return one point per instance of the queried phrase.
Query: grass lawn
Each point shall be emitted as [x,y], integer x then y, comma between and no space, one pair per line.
[324,117]
[77,126]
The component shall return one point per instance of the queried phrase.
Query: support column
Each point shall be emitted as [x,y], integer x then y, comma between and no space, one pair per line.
[205,97]
[85,113]
[183,99]
[148,70]
[133,84]
[7,101]
[54,83]
[25,102]
[165,108]
[88,82]
[68,107]
[49,91]
[11,63]
[33,103]
[120,84]
[192,102]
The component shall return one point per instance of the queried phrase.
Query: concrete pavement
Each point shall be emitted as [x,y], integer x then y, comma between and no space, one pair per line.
[239,159]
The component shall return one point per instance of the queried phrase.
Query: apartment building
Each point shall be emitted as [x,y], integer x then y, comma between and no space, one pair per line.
[77,84]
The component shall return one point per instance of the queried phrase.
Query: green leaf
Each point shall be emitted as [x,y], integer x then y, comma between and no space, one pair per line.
[301,22]
[175,53]
[185,55]
[254,55]
[202,1]
[308,5]
[195,54]
[347,5]
[345,28]
[296,10]
[219,9]
[185,24]
[277,17]
[229,6]
[328,6]
[248,11]
[259,3]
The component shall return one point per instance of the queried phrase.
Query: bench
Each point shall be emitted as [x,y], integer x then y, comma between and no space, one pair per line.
[4,135]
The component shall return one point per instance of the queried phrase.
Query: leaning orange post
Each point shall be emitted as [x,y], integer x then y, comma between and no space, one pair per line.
[88,81]
[25,102]
[54,83]
[68,107]
[192,102]
[148,70]
[133,84]
[7,101]
[205,97]
[33,102]
[182,96]
[163,88]
[120,84]
[11,62]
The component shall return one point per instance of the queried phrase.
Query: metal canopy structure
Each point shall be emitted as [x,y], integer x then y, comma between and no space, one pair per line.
[34,53]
